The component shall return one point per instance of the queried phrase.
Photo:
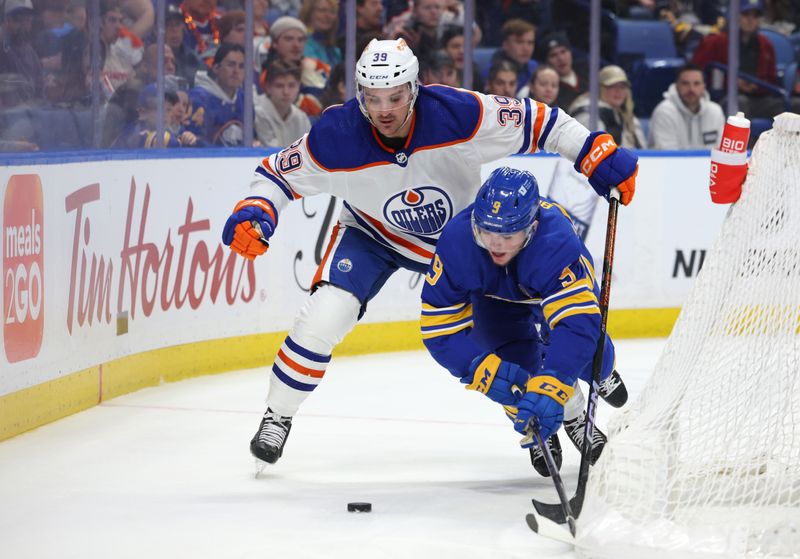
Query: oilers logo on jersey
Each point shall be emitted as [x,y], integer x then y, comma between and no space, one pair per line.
[423,210]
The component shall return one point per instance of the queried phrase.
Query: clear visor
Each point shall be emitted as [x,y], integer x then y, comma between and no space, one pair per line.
[501,242]
[385,100]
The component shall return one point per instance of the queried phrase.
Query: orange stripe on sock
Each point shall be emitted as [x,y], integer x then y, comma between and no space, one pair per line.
[314,373]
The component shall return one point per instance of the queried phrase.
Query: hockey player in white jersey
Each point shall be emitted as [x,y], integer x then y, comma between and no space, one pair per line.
[404,159]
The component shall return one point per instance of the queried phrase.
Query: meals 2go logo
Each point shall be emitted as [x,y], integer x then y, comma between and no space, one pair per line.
[23,268]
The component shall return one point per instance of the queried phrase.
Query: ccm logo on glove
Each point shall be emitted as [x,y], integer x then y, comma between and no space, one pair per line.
[603,146]
[551,386]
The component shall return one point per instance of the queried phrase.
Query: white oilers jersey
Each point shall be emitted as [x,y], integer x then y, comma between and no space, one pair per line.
[403,198]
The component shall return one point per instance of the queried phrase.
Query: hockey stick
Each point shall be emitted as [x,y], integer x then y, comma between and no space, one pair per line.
[556,512]
[566,508]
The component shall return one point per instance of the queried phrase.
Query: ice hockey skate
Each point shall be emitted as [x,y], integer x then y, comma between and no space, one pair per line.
[268,442]
[537,456]
[575,429]
[613,390]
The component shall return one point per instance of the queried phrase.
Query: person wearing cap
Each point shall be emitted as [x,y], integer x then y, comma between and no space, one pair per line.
[756,57]
[17,55]
[438,68]
[217,99]
[289,36]
[614,109]
[403,158]
[687,118]
[556,51]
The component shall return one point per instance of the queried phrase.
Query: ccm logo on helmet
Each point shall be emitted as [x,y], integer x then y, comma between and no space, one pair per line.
[597,154]
[379,77]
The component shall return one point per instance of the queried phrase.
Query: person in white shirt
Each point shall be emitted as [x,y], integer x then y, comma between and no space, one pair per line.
[279,121]
[687,118]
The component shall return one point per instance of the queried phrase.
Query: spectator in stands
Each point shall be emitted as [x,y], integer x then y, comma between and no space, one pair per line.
[201,20]
[47,38]
[286,7]
[76,14]
[143,133]
[232,27]
[217,100]
[453,14]
[556,51]
[517,48]
[187,62]
[614,109]
[261,38]
[544,85]
[17,129]
[122,50]
[502,79]
[453,42]
[438,68]
[369,24]
[288,43]
[17,55]
[138,16]
[687,118]
[147,72]
[369,20]
[420,26]
[756,57]
[278,121]
[322,20]
[336,88]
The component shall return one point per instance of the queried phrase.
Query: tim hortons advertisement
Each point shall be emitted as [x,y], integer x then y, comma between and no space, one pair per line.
[112,258]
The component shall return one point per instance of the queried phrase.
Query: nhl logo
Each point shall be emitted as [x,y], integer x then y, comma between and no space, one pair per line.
[401,157]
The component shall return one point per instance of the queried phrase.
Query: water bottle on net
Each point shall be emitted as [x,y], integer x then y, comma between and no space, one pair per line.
[729,161]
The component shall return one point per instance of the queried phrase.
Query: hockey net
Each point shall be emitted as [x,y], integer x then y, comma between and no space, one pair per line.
[706,462]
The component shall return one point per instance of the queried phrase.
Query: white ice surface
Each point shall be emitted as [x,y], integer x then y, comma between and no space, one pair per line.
[166,472]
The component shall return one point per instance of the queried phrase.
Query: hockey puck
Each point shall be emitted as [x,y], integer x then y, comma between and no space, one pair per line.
[359,507]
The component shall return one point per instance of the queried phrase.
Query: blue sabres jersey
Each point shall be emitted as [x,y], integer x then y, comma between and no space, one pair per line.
[553,273]
[403,198]
[215,121]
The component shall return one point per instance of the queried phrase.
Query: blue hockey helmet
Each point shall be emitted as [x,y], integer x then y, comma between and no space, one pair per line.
[507,202]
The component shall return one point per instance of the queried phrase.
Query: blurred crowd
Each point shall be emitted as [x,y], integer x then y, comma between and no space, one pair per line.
[522,48]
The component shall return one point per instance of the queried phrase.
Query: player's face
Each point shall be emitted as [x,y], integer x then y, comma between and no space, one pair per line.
[388,109]
[502,247]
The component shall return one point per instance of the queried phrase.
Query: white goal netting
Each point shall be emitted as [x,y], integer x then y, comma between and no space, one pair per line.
[706,462]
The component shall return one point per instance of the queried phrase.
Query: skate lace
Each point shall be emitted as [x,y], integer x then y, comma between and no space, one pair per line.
[575,431]
[610,384]
[273,431]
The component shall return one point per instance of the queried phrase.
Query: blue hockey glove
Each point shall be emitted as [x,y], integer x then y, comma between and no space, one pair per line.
[607,165]
[494,377]
[252,222]
[544,403]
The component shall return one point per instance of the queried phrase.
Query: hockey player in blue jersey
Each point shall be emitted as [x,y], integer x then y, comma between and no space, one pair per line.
[404,159]
[510,300]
